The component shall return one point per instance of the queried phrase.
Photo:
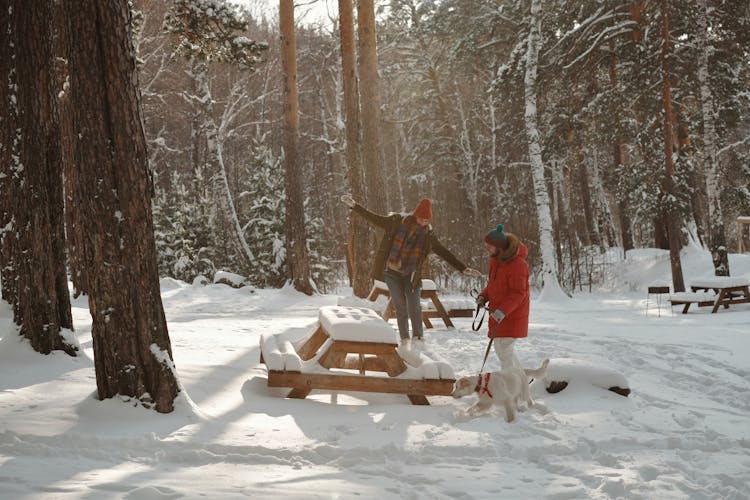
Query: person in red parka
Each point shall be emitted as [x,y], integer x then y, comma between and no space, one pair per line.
[507,293]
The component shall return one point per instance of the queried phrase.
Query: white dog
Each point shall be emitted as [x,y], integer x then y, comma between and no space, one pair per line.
[508,387]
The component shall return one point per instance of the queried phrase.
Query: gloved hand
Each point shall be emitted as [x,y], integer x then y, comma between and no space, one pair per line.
[472,272]
[348,200]
[498,315]
[481,300]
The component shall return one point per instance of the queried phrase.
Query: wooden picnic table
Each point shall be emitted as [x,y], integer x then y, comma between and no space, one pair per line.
[429,292]
[729,290]
[342,348]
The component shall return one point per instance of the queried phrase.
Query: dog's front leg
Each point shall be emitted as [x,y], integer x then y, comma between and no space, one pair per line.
[479,407]
[510,410]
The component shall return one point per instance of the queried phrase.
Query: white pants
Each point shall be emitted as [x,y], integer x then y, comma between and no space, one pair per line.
[504,351]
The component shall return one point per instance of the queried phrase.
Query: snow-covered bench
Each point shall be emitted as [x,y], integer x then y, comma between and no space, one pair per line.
[346,346]
[702,299]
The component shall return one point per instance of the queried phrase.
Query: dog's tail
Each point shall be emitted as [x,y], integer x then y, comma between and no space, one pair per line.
[540,372]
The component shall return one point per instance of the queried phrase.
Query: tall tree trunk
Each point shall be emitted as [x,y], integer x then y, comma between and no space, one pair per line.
[296,237]
[132,350]
[717,236]
[370,105]
[551,284]
[8,164]
[34,172]
[671,215]
[73,236]
[215,162]
[358,230]
[623,211]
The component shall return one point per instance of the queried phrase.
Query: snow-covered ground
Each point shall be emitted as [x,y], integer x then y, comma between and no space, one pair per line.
[684,432]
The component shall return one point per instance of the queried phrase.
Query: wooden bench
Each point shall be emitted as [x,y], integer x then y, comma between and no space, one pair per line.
[429,292]
[352,349]
[727,290]
[686,299]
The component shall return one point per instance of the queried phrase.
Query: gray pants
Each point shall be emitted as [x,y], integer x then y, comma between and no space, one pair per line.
[406,303]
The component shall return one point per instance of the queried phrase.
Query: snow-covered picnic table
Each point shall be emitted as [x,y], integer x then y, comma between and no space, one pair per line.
[727,290]
[348,339]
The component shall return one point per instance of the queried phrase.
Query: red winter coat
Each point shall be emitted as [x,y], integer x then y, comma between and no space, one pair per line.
[508,290]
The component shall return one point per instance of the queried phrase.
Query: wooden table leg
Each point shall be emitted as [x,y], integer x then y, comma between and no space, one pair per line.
[393,363]
[440,309]
[719,301]
[298,393]
[418,400]
[311,346]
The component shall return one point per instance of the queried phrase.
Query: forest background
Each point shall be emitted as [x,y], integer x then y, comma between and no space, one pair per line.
[451,82]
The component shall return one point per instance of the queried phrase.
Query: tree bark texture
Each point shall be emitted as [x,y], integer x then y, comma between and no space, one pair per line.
[670,213]
[544,214]
[132,350]
[358,229]
[623,210]
[33,178]
[73,234]
[370,105]
[716,234]
[296,235]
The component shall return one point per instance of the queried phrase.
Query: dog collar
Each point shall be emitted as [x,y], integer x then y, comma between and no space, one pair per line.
[480,388]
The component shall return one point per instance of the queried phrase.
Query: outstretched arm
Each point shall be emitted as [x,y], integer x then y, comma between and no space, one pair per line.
[371,217]
[451,259]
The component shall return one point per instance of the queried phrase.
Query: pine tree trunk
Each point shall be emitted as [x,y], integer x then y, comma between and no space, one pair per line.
[8,145]
[72,231]
[671,215]
[34,200]
[717,236]
[370,105]
[546,242]
[358,229]
[132,350]
[296,237]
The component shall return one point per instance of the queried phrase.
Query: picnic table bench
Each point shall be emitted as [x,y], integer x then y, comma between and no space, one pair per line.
[726,290]
[352,349]
[434,309]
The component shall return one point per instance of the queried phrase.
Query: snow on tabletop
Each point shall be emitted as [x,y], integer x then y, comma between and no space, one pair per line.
[428,285]
[574,370]
[450,304]
[720,282]
[743,218]
[356,324]
[693,296]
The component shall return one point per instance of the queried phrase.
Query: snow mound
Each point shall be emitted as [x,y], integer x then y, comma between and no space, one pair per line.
[231,279]
[576,371]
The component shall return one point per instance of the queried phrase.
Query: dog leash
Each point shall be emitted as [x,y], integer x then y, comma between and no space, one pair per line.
[474,326]
[489,345]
